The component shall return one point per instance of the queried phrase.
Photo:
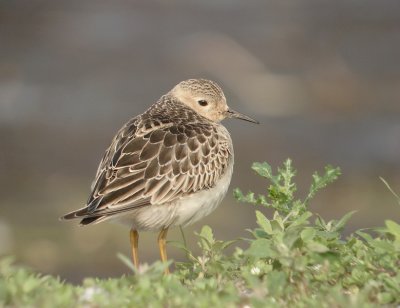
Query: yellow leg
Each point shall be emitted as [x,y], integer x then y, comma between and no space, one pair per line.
[134,237]
[162,244]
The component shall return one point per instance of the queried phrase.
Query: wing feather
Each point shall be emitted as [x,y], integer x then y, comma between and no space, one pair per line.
[155,164]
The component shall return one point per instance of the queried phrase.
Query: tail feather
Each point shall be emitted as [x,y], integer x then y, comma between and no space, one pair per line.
[91,220]
[75,214]
[85,215]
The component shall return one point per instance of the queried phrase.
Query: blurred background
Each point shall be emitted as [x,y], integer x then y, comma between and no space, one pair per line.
[323,77]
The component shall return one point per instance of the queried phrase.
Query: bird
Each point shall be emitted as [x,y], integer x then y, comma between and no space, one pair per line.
[170,166]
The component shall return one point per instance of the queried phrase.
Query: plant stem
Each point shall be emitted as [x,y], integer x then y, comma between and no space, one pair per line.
[184,243]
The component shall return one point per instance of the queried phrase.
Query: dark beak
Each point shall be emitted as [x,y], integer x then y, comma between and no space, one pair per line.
[234,114]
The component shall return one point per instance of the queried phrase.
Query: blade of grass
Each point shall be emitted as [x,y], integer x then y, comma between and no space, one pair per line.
[185,243]
[390,189]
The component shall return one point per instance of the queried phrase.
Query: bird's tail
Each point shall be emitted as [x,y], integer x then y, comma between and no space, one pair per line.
[83,214]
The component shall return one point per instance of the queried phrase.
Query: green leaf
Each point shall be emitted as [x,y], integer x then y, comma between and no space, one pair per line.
[238,194]
[207,237]
[319,182]
[263,169]
[317,247]
[385,298]
[278,224]
[228,243]
[207,233]
[382,245]
[342,222]
[179,245]
[250,197]
[287,174]
[263,222]
[301,220]
[277,284]
[320,222]
[307,234]
[393,228]
[260,248]
[365,236]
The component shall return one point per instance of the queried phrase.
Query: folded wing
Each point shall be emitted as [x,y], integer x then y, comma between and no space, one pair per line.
[155,163]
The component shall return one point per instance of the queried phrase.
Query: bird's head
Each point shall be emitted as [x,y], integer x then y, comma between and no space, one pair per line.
[207,99]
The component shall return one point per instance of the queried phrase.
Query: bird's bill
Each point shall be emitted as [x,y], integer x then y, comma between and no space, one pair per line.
[234,114]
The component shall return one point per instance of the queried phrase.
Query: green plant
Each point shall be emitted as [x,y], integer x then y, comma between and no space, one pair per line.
[294,258]
[311,258]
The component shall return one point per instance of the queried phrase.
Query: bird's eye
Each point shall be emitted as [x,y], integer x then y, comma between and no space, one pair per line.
[202,102]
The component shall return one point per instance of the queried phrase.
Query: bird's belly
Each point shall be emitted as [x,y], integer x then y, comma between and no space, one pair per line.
[181,212]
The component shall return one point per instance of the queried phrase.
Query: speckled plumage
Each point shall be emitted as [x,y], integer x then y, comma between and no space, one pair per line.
[157,158]
[169,166]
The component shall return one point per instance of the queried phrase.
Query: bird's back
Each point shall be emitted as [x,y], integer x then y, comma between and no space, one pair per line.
[161,156]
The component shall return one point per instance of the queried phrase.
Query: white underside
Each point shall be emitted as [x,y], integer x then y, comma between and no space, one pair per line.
[182,212]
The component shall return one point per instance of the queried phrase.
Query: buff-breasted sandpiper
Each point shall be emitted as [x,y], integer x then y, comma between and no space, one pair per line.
[169,166]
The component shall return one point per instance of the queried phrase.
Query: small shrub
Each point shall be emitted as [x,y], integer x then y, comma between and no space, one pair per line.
[294,258]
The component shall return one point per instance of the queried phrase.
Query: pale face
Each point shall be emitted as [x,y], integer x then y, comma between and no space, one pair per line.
[207,99]
[209,106]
